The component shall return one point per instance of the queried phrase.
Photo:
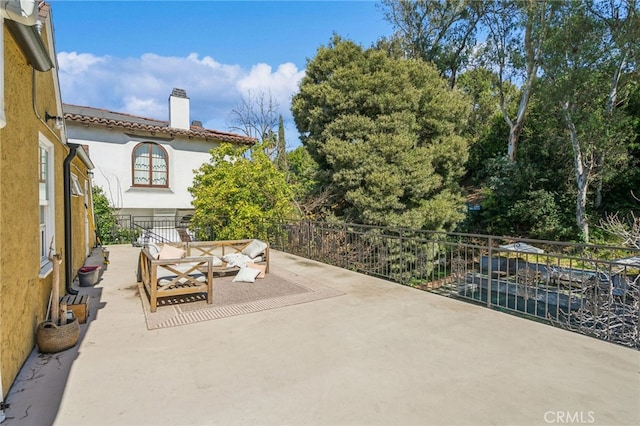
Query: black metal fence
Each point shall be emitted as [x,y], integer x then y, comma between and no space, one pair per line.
[590,289]
[139,230]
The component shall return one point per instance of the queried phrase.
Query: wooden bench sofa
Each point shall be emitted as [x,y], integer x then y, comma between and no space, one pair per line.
[175,277]
[220,249]
[192,268]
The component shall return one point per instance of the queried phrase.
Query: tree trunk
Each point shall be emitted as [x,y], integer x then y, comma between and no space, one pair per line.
[514,135]
[582,172]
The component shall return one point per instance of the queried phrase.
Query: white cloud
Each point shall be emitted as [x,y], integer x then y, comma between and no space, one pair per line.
[148,107]
[142,85]
[76,64]
[281,84]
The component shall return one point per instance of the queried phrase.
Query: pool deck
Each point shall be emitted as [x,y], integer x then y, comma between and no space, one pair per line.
[381,354]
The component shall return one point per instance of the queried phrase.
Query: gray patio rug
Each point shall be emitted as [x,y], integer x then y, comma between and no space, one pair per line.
[276,290]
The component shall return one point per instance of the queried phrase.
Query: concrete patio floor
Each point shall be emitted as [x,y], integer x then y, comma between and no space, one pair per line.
[382,354]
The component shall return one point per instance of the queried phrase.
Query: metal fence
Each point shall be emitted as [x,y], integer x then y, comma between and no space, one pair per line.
[139,230]
[590,289]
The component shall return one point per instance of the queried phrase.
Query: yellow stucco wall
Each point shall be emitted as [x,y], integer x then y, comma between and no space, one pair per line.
[81,238]
[24,295]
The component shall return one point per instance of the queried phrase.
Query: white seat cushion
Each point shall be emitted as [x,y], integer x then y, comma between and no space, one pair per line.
[255,248]
[247,275]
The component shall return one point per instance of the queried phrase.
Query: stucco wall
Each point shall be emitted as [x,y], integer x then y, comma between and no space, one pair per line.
[111,152]
[82,238]
[24,294]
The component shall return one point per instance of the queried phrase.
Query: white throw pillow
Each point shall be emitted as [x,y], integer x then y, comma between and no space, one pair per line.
[246,275]
[236,259]
[261,268]
[216,261]
[153,249]
[170,252]
[254,248]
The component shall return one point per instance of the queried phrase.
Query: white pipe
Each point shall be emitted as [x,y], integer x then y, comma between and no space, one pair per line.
[3,122]
[3,118]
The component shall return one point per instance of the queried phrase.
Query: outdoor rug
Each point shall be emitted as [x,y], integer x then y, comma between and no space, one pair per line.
[276,290]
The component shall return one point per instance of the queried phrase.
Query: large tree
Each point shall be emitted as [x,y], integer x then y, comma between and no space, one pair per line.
[237,197]
[585,66]
[442,32]
[517,31]
[386,134]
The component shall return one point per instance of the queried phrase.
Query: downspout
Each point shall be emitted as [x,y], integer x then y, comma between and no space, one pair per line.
[3,118]
[3,122]
[68,241]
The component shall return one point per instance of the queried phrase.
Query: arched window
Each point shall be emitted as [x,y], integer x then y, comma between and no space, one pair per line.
[150,165]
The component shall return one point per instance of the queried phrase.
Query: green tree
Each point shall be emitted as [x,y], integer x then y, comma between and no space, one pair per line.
[487,129]
[386,134]
[237,197]
[303,171]
[585,66]
[442,32]
[281,147]
[107,228]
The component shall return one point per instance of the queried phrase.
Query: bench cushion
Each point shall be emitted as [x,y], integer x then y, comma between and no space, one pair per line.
[255,248]
[247,275]
[170,252]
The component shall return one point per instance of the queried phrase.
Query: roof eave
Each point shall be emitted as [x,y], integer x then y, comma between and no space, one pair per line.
[137,127]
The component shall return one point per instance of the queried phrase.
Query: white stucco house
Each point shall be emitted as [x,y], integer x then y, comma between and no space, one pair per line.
[146,165]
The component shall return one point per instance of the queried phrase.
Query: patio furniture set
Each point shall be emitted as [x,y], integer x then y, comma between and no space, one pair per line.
[183,269]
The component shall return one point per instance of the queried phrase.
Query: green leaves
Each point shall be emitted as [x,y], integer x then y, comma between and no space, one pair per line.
[387,134]
[237,197]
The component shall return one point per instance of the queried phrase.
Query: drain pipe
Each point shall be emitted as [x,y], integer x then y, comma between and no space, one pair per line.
[68,241]
[3,117]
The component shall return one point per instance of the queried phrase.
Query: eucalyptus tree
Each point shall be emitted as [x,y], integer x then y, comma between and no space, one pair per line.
[445,32]
[386,134]
[442,32]
[586,67]
[621,22]
[517,31]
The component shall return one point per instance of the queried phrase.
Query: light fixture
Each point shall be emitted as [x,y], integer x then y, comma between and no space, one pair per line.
[57,121]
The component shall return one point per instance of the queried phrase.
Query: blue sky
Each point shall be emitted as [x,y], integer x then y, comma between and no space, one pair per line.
[126,56]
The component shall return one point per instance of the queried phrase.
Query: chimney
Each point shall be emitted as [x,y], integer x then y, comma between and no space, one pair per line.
[179,109]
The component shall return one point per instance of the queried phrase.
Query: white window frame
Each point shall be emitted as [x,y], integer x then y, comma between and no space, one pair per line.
[46,206]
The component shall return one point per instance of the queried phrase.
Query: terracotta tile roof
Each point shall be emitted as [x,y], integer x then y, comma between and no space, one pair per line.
[44,9]
[132,123]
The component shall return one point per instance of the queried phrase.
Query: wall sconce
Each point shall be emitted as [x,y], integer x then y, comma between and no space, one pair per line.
[57,121]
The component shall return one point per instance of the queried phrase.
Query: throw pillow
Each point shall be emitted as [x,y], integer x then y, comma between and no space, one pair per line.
[236,259]
[261,268]
[170,252]
[246,275]
[254,248]
[153,249]
[216,261]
